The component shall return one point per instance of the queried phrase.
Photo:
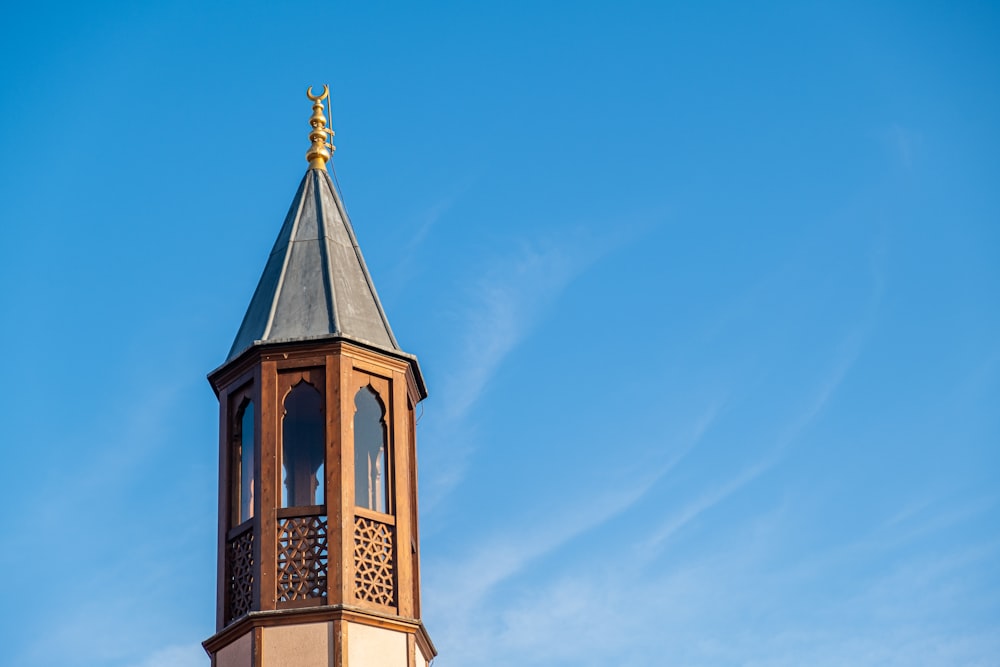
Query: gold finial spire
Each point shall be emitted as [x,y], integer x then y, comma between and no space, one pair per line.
[322,149]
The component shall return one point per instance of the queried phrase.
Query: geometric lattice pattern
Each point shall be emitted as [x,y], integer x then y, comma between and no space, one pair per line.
[373,561]
[239,566]
[302,558]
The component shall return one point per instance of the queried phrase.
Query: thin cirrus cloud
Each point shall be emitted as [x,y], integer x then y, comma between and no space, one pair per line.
[461,592]
[631,608]
[846,357]
[506,303]
[565,608]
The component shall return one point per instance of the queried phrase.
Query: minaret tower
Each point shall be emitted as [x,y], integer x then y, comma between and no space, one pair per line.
[318,562]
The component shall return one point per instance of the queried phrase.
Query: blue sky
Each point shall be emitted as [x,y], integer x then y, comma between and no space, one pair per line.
[706,297]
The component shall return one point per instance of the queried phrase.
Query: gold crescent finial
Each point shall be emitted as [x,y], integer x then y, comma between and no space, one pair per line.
[315,98]
[322,148]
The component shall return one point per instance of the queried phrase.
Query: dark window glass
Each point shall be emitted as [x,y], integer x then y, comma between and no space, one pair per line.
[302,442]
[371,487]
[246,458]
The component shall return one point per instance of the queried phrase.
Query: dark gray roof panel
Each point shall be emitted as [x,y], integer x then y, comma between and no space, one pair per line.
[315,283]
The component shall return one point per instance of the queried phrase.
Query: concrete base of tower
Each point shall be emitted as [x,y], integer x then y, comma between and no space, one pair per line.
[350,640]
[238,653]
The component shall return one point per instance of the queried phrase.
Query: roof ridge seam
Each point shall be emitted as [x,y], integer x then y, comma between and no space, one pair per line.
[284,267]
[361,260]
[324,250]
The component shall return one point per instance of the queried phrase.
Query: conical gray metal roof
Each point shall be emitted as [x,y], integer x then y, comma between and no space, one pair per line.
[315,283]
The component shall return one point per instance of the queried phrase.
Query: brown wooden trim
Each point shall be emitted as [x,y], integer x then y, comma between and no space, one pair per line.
[304,510]
[223,375]
[258,647]
[413,391]
[372,362]
[314,360]
[351,613]
[242,382]
[375,516]
[259,420]
[376,607]
[300,602]
[346,441]
[425,643]
[335,534]
[401,488]
[223,518]
[339,642]
[233,533]
[265,546]
[411,447]
[290,374]
[234,374]
[411,651]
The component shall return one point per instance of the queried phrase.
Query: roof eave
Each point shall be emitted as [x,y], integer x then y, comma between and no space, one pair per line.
[260,345]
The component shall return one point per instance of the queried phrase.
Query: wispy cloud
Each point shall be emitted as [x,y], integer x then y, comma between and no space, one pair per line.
[591,611]
[706,501]
[468,581]
[845,358]
[630,609]
[507,302]
[460,589]
[504,305]
[409,250]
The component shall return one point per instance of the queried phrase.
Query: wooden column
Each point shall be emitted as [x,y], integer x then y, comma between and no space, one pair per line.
[222,582]
[400,458]
[259,419]
[346,554]
[411,447]
[336,528]
[265,547]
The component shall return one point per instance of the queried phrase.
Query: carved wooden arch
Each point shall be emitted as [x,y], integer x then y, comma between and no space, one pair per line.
[293,384]
[382,404]
[379,385]
[378,397]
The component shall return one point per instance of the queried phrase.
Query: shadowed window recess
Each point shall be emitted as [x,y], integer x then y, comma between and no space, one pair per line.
[302,447]
[371,484]
[243,461]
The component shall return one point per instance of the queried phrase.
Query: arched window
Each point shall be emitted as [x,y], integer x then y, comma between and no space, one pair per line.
[243,459]
[302,447]
[371,485]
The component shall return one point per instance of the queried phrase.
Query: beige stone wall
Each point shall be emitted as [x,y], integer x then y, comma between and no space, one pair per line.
[303,645]
[237,654]
[375,647]
[312,645]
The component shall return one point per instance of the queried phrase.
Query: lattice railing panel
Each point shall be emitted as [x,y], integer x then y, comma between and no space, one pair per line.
[302,558]
[239,568]
[374,575]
